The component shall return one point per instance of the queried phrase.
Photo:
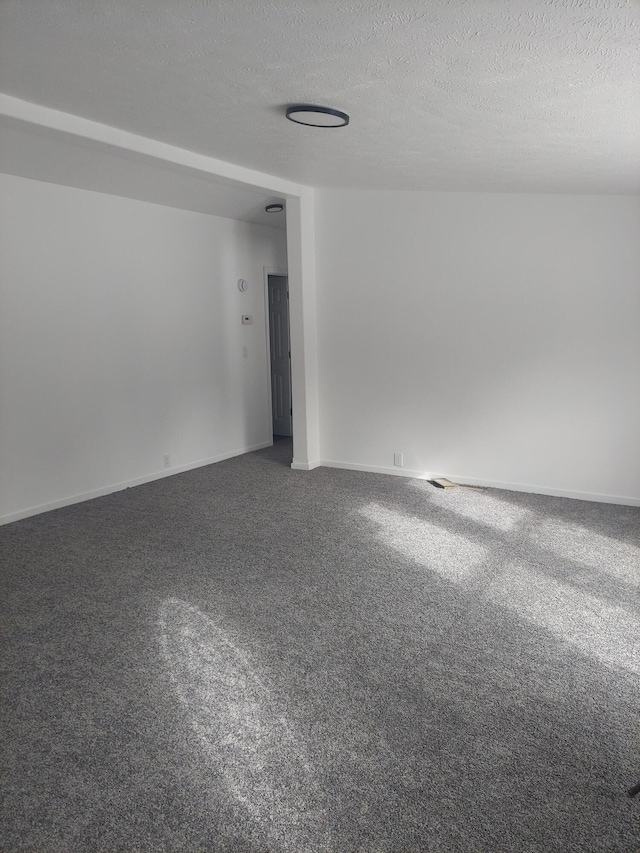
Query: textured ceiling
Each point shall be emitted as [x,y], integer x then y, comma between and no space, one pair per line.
[520,95]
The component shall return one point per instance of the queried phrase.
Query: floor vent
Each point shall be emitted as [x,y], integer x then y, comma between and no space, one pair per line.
[442,483]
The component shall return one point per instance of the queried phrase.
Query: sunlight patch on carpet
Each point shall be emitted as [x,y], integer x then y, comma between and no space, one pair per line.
[253,747]
[599,629]
[482,507]
[602,631]
[621,560]
[449,554]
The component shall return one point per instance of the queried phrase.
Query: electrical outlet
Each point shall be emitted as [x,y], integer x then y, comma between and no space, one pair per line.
[397,460]
[167,461]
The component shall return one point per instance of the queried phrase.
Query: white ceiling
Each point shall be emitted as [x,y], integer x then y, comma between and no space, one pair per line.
[501,95]
[56,157]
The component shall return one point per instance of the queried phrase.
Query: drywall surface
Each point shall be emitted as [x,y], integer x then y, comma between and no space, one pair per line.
[445,94]
[121,341]
[304,345]
[493,338]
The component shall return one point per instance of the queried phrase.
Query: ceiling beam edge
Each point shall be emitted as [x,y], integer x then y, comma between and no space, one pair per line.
[103,134]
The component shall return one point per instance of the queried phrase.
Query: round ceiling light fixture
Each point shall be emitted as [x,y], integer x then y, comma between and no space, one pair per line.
[314,116]
[274,208]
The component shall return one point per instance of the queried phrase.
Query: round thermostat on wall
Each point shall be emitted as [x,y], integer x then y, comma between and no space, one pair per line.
[242,285]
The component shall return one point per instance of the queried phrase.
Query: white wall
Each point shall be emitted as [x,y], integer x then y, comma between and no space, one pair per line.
[304,327]
[121,341]
[493,338]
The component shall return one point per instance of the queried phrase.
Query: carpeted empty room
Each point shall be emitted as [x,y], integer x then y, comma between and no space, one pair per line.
[250,658]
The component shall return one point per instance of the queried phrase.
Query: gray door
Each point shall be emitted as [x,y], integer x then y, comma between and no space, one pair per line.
[280,354]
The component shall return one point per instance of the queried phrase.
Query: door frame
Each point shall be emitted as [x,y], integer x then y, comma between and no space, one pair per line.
[267,271]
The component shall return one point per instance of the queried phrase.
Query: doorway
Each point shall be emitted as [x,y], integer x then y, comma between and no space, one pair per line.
[280,355]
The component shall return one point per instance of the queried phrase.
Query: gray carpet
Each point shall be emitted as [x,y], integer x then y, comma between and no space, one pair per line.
[250,658]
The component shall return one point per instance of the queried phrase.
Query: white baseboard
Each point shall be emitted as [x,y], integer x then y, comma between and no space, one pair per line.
[127,484]
[544,490]
[374,469]
[309,466]
[306,466]
[491,484]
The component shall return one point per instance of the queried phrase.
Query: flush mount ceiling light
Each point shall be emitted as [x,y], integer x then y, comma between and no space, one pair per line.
[317,116]
[274,208]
